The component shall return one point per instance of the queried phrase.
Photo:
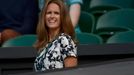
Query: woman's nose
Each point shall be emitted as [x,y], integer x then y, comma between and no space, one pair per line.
[52,15]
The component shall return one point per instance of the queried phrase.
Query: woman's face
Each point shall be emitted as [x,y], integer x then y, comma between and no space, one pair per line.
[53,16]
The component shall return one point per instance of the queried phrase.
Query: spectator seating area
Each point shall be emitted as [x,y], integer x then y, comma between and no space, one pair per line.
[115,17]
[101,22]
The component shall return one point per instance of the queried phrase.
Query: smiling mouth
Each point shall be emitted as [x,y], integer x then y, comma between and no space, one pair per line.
[52,21]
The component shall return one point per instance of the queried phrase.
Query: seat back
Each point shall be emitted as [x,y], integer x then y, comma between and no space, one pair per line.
[100,7]
[88,38]
[115,21]
[85,5]
[122,37]
[23,40]
[86,22]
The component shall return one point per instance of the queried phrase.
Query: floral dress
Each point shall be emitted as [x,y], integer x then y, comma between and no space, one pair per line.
[52,56]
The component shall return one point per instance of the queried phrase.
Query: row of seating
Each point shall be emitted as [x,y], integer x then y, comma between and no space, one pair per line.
[98,8]
[102,6]
[101,19]
[118,20]
[83,38]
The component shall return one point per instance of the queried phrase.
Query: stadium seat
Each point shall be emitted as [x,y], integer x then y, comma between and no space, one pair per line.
[88,38]
[115,21]
[85,5]
[86,22]
[23,40]
[100,7]
[122,37]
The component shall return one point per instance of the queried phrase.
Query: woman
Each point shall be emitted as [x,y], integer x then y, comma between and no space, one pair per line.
[74,11]
[55,45]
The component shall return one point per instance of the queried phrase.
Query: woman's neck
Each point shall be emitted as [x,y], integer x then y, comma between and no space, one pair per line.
[53,34]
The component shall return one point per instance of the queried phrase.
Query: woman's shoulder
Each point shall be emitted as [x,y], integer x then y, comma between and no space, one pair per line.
[65,40]
[64,35]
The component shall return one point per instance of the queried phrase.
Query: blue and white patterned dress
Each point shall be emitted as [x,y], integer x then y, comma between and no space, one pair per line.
[53,55]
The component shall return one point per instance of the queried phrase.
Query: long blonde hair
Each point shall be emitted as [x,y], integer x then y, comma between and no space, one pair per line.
[65,27]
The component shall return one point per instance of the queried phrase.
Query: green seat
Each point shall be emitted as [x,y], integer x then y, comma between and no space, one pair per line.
[85,5]
[114,22]
[100,7]
[23,40]
[88,38]
[86,22]
[122,37]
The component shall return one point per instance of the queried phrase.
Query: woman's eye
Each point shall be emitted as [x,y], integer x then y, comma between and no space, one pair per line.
[48,12]
[57,13]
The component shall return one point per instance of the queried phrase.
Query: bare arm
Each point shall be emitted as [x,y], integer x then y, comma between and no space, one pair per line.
[70,62]
[75,10]
[0,38]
